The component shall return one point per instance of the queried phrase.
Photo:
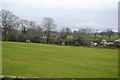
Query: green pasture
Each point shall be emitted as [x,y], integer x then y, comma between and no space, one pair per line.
[52,61]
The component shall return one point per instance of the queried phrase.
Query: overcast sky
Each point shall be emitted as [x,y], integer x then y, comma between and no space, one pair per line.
[96,14]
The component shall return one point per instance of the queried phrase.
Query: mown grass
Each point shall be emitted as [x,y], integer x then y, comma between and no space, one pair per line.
[52,61]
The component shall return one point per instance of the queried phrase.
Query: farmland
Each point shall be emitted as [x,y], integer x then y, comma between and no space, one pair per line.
[52,61]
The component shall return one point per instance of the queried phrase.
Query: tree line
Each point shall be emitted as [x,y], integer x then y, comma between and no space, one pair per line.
[15,29]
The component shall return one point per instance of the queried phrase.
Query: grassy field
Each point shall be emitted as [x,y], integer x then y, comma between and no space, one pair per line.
[52,61]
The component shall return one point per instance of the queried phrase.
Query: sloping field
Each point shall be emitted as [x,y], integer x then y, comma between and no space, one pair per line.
[52,61]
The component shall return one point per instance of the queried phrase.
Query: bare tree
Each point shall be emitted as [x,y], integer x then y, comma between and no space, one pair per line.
[48,25]
[24,25]
[34,34]
[8,21]
[40,32]
[32,24]
[65,32]
[84,36]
